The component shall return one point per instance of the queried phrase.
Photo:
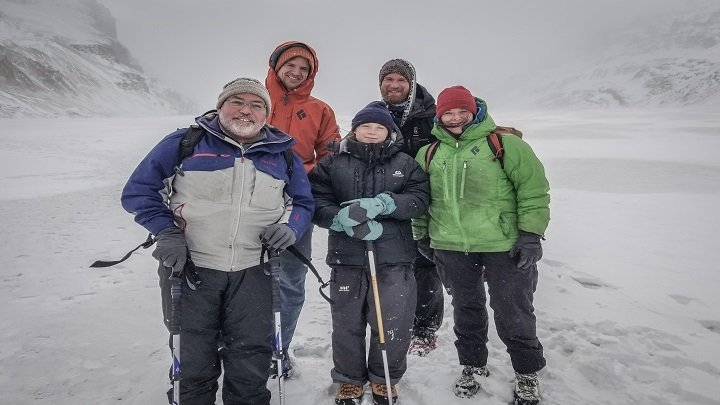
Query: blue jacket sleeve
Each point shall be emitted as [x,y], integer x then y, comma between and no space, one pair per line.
[298,189]
[145,194]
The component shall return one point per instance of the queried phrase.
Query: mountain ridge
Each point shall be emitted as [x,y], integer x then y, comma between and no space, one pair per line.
[64,59]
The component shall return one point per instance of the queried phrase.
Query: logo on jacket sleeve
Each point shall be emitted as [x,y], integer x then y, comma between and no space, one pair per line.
[398,173]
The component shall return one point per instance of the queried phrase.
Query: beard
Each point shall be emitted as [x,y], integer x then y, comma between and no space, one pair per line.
[393,97]
[240,130]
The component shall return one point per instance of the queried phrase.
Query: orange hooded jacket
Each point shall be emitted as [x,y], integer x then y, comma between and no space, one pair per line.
[310,121]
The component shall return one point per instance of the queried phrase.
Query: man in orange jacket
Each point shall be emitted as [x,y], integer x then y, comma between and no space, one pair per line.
[311,122]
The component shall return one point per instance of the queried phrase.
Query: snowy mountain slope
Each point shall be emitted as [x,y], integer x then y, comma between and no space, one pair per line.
[63,58]
[673,60]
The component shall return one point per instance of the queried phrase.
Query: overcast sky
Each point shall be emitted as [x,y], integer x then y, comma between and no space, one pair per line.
[198,46]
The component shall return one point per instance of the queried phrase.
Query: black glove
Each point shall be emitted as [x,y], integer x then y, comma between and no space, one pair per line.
[423,246]
[529,248]
[369,230]
[171,249]
[278,237]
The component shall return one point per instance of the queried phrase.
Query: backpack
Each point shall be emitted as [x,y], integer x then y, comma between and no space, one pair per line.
[494,140]
[196,132]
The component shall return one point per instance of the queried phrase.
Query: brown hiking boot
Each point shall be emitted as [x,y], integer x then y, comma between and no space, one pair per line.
[349,394]
[380,396]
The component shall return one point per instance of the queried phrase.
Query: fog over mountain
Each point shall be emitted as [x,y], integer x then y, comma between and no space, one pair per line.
[62,57]
[673,60]
[100,57]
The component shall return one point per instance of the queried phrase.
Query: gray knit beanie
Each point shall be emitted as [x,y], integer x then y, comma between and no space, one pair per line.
[244,85]
[399,66]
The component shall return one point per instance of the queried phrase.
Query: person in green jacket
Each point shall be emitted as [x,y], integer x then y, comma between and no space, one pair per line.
[485,224]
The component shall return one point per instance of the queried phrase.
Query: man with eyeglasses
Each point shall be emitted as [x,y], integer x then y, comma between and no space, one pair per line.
[311,122]
[214,208]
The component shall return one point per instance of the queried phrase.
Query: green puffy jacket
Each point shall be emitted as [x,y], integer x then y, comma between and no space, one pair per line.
[476,206]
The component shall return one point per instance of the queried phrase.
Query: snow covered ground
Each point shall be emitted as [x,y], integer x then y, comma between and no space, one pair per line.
[628,305]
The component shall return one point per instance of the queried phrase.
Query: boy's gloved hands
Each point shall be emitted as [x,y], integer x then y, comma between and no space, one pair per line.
[369,230]
[278,236]
[171,249]
[529,249]
[362,210]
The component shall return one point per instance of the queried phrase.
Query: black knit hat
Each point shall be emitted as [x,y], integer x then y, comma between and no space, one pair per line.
[375,112]
[399,66]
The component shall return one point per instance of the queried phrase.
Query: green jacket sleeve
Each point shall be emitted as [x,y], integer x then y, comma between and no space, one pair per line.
[527,175]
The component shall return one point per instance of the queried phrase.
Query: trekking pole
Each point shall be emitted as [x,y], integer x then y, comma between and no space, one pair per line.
[378,314]
[175,327]
[278,355]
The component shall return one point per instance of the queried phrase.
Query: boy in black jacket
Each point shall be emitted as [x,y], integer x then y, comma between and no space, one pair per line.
[369,191]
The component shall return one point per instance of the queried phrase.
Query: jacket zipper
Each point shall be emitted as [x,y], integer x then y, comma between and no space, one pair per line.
[462,181]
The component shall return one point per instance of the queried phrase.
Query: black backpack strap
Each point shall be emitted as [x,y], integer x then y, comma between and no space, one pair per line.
[187,144]
[289,161]
[429,153]
[104,263]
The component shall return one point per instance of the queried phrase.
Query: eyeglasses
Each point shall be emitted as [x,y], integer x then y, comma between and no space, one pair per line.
[255,106]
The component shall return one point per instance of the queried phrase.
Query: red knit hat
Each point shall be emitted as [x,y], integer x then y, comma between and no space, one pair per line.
[455,97]
[292,52]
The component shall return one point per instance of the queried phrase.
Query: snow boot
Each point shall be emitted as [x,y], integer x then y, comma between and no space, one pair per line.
[467,386]
[422,345]
[288,371]
[526,389]
[380,395]
[349,394]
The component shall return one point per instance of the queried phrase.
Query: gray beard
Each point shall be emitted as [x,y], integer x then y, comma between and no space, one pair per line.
[239,131]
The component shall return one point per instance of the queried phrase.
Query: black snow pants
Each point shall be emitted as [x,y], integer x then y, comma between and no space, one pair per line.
[430,297]
[226,326]
[354,309]
[511,296]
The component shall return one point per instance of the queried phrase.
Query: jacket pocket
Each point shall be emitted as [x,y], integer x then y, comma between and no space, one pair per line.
[268,192]
[505,226]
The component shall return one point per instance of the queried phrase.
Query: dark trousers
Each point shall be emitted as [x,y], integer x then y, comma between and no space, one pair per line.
[430,298]
[226,325]
[511,297]
[354,309]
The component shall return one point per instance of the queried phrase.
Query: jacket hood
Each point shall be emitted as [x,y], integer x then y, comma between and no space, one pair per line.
[272,81]
[370,152]
[210,122]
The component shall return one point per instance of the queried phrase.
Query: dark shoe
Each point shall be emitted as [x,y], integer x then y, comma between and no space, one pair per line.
[349,394]
[288,371]
[380,396]
[527,389]
[422,345]
[467,386]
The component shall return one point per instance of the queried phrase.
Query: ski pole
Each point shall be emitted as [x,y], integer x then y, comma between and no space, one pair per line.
[278,355]
[175,327]
[378,314]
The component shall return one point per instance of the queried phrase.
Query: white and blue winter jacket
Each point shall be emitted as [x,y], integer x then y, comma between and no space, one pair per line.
[223,196]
